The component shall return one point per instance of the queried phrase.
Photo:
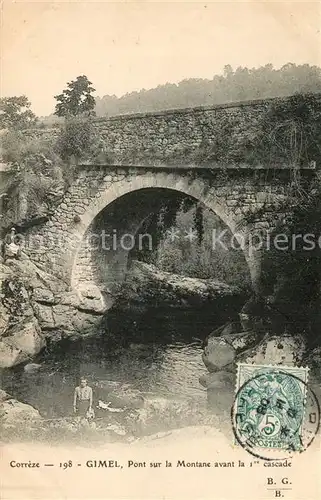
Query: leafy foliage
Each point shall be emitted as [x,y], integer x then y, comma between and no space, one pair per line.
[43,167]
[192,257]
[199,223]
[287,132]
[161,219]
[18,147]
[76,99]
[293,277]
[78,139]
[291,130]
[15,113]
[38,177]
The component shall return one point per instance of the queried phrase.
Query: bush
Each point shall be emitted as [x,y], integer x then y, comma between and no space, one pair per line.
[38,175]
[292,278]
[78,139]
[19,149]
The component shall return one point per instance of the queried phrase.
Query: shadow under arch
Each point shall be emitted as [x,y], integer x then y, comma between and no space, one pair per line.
[120,193]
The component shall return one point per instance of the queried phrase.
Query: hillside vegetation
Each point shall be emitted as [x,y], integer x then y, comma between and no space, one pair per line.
[232,85]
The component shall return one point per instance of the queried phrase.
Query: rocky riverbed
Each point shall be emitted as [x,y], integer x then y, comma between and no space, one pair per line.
[38,310]
[126,421]
[126,411]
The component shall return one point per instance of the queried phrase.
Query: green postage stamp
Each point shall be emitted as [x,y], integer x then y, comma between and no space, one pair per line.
[270,408]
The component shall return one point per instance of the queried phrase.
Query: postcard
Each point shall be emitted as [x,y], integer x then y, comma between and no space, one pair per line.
[160,250]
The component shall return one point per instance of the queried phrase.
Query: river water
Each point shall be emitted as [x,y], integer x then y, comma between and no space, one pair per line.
[158,352]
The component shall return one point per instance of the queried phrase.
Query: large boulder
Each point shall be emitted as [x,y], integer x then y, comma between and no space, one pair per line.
[277,350]
[31,298]
[35,275]
[148,285]
[88,299]
[233,334]
[10,355]
[15,302]
[13,413]
[44,314]
[20,334]
[27,337]
[220,388]
[24,341]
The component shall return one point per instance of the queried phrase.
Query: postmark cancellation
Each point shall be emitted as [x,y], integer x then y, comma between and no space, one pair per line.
[274,412]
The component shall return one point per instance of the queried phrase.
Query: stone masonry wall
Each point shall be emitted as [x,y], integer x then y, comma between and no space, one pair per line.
[217,136]
[181,137]
[60,244]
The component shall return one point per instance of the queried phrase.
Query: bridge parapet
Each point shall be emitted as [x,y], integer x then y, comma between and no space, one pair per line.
[234,135]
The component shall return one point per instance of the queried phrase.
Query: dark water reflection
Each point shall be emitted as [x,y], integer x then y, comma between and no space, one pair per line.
[158,352]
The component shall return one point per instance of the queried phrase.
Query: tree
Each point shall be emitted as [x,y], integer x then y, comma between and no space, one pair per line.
[76,99]
[15,113]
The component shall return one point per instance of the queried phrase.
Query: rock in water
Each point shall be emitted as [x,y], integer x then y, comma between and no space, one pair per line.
[220,390]
[31,368]
[240,340]
[218,353]
[218,380]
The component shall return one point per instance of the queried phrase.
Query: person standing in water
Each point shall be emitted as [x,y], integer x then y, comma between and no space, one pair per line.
[83,399]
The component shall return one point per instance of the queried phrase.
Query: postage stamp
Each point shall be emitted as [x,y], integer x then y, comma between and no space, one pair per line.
[274,410]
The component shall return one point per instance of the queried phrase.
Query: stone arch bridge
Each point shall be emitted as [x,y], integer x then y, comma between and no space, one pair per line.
[147,155]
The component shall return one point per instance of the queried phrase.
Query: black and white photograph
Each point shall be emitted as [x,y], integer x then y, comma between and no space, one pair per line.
[160,250]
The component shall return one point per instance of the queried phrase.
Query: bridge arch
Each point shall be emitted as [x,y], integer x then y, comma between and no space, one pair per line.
[110,192]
